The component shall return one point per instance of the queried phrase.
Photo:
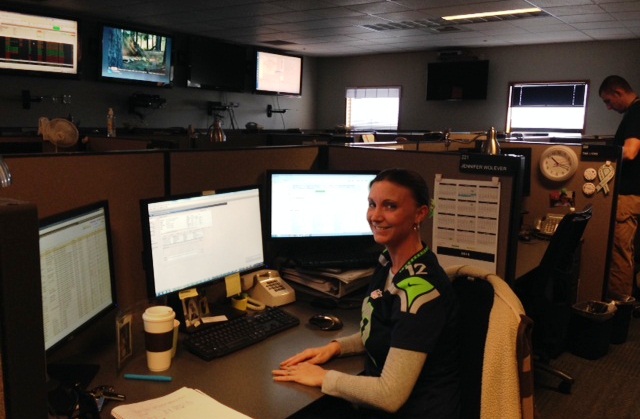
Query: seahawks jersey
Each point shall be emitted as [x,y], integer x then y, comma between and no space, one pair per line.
[417,312]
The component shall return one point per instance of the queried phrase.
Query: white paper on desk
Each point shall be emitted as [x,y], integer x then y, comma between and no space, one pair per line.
[186,403]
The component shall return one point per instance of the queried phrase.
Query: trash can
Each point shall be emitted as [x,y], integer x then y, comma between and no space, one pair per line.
[590,328]
[620,323]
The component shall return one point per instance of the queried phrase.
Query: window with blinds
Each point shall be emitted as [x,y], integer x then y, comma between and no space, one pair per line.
[373,108]
[551,106]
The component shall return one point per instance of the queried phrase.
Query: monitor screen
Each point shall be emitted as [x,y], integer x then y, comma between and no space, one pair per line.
[37,43]
[278,73]
[457,80]
[136,56]
[217,66]
[76,271]
[192,241]
[308,204]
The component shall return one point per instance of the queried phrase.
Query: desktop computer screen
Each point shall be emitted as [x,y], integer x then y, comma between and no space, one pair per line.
[76,271]
[308,204]
[193,241]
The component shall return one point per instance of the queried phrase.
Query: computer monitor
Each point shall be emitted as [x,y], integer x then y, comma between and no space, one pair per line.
[77,276]
[318,211]
[137,56]
[278,73]
[38,44]
[193,241]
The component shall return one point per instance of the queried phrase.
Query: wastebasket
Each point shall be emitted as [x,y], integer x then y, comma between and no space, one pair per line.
[590,328]
[620,323]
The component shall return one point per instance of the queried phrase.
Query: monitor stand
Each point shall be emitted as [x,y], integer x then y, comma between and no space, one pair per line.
[65,385]
[72,375]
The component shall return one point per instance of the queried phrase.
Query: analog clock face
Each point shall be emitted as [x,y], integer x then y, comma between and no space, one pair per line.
[558,163]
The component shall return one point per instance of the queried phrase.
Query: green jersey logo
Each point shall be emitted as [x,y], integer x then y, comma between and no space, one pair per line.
[416,292]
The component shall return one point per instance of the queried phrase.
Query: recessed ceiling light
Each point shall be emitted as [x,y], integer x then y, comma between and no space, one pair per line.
[488,14]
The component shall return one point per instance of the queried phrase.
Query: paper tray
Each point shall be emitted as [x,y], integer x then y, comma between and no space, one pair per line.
[335,284]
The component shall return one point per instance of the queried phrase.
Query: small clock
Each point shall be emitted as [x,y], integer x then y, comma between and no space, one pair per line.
[590,174]
[558,163]
[588,189]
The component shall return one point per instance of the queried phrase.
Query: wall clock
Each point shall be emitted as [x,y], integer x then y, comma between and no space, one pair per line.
[558,163]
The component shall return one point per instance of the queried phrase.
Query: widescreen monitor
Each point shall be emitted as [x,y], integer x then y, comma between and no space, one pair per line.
[76,271]
[38,43]
[192,241]
[136,56]
[217,66]
[457,80]
[318,204]
[278,73]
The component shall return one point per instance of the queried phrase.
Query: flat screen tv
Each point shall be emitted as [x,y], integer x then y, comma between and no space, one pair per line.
[278,73]
[457,80]
[136,56]
[38,44]
[217,66]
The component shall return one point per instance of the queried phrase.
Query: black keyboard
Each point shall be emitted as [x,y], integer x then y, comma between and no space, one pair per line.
[226,337]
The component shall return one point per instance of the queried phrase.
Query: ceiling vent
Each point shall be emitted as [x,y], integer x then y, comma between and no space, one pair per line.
[279,42]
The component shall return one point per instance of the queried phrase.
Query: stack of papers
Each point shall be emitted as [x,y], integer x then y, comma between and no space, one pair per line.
[330,282]
[186,403]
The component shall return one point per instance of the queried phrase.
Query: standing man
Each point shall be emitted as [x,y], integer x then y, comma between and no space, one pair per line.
[618,95]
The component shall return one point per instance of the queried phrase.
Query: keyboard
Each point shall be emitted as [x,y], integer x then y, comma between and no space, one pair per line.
[226,337]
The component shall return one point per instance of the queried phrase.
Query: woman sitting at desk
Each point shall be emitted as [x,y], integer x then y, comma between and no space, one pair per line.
[409,318]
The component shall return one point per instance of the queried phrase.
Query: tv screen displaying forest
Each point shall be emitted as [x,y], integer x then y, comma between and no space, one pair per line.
[136,56]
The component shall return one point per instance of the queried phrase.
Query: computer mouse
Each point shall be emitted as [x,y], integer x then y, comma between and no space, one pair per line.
[325,322]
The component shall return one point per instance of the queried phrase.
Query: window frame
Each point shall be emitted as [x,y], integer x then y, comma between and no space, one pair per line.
[508,126]
[353,91]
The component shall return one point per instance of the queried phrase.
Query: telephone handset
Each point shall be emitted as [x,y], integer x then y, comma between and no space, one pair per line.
[548,224]
[267,288]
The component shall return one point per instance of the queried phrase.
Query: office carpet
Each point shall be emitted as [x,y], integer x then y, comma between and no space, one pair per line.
[606,388]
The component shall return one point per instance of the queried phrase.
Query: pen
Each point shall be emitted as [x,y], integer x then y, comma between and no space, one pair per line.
[147,377]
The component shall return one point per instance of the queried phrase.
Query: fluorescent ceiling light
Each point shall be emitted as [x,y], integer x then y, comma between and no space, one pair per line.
[488,14]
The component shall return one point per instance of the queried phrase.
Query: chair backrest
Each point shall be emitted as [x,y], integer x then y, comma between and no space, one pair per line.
[565,241]
[548,291]
[490,323]
[476,299]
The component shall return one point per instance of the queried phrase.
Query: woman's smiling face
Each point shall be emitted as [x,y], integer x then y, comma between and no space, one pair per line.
[392,213]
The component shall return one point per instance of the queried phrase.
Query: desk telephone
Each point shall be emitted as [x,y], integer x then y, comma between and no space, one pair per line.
[265,287]
[548,224]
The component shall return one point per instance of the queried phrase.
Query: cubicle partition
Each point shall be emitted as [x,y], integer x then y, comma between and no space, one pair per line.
[596,246]
[59,182]
[193,171]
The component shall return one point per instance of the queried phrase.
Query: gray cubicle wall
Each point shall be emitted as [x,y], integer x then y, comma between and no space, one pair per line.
[194,171]
[596,247]
[428,165]
[59,182]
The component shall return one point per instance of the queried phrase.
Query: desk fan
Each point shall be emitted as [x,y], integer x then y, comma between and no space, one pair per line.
[60,132]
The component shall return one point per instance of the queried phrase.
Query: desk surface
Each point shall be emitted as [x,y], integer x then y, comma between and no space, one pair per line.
[241,380]
[529,255]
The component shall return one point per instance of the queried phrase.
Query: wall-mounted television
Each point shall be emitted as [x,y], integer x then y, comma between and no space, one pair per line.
[136,56]
[217,66]
[278,73]
[457,80]
[38,43]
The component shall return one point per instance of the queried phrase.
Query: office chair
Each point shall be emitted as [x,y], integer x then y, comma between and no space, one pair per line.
[495,359]
[548,292]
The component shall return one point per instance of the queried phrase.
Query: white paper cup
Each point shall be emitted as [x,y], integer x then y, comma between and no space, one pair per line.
[158,332]
[176,327]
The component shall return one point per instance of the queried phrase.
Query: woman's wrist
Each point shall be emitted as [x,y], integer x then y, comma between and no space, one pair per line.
[335,347]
